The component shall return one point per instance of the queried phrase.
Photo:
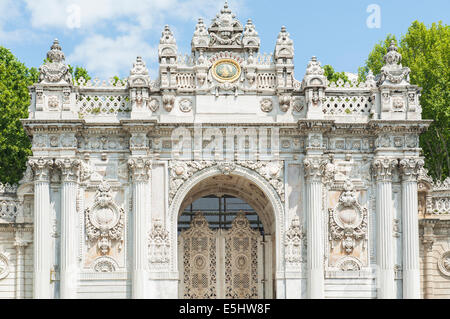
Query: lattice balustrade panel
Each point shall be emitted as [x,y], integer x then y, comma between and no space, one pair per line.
[8,209]
[117,105]
[347,105]
[266,81]
[186,81]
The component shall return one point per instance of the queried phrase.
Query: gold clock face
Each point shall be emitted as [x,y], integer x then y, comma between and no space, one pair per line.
[226,70]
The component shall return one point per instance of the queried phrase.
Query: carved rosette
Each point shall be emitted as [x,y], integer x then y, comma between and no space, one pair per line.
[349,263]
[293,244]
[69,169]
[382,168]
[41,168]
[104,220]
[444,263]
[105,264]
[140,169]
[411,168]
[158,246]
[348,220]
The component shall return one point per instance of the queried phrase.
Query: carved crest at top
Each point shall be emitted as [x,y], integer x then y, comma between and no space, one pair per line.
[225,32]
[55,70]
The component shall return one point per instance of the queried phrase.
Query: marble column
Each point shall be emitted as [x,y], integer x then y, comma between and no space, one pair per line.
[410,169]
[42,229]
[68,263]
[140,172]
[383,168]
[315,232]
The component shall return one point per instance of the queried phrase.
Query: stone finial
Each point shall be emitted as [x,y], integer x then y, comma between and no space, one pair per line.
[284,48]
[250,37]
[201,36]
[167,45]
[139,73]
[370,80]
[167,36]
[314,67]
[392,72]
[55,70]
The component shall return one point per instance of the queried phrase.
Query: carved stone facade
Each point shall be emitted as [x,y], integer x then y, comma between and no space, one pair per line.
[333,171]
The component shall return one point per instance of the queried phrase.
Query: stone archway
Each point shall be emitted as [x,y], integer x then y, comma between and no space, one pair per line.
[240,182]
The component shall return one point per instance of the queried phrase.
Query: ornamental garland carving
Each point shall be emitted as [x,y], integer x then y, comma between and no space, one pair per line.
[158,245]
[181,171]
[104,220]
[348,220]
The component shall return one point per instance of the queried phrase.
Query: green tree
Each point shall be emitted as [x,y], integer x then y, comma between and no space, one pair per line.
[15,146]
[79,72]
[426,51]
[334,76]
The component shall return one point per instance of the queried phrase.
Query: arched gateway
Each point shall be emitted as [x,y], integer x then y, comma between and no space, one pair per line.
[224,274]
[328,176]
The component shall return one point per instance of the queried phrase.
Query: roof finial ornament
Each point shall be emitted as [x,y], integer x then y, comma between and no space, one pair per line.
[392,71]
[55,70]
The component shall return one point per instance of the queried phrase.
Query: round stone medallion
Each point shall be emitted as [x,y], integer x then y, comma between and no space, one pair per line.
[226,70]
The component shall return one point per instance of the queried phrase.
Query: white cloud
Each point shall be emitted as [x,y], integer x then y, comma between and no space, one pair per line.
[57,13]
[106,57]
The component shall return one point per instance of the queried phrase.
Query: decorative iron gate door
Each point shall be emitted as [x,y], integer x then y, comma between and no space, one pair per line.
[221,263]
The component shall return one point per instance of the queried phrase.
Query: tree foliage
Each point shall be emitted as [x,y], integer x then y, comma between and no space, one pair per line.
[334,76]
[15,145]
[79,72]
[426,51]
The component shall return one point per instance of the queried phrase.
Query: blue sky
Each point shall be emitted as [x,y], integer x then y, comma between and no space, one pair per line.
[105,36]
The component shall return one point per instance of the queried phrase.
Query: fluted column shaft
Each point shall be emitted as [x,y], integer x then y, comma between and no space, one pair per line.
[385,255]
[41,236]
[68,262]
[315,249]
[140,170]
[410,169]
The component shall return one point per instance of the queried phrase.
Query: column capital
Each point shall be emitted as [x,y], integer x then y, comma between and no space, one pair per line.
[70,169]
[314,168]
[410,168]
[140,169]
[41,168]
[382,168]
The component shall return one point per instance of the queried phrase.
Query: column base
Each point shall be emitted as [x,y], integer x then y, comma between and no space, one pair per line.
[316,284]
[411,284]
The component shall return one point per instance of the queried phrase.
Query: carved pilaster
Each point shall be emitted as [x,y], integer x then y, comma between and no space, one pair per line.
[69,169]
[315,252]
[140,169]
[410,168]
[68,265]
[140,172]
[41,168]
[20,243]
[314,168]
[382,168]
[41,241]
